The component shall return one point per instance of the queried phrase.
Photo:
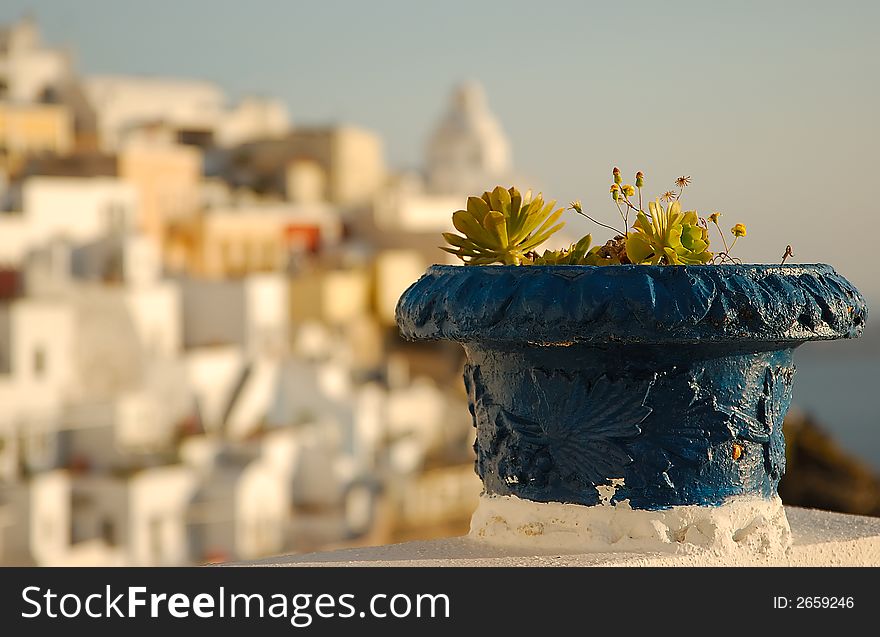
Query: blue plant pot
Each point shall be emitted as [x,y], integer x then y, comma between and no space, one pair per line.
[671,383]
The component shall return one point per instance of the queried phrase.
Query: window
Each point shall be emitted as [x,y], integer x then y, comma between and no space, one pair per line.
[39,362]
[108,531]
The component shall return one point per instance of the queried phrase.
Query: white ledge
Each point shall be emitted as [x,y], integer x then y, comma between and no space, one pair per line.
[819,538]
[741,523]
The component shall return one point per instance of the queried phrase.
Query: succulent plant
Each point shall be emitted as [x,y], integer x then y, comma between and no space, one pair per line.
[501,227]
[575,254]
[668,237]
[504,227]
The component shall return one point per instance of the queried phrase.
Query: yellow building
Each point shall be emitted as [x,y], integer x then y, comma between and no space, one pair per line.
[334,297]
[167,178]
[33,129]
[395,270]
[247,239]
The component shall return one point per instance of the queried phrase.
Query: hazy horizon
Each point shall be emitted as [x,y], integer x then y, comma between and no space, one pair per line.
[771,109]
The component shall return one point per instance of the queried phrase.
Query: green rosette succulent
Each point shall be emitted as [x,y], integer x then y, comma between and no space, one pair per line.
[502,227]
[575,254]
[668,237]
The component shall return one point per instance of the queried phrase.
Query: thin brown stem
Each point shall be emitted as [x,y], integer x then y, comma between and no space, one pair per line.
[629,206]
[624,214]
[598,223]
[786,254]
[723,240]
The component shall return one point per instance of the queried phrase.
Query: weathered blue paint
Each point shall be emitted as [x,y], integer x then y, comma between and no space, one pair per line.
[676,379]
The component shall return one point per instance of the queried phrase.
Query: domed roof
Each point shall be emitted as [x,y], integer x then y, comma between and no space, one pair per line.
[468,150]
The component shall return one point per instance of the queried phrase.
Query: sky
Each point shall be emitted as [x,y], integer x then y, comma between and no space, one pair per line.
[770,107]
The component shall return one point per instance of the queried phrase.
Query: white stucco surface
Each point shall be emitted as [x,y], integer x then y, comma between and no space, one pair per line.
[740,524]
[819,538]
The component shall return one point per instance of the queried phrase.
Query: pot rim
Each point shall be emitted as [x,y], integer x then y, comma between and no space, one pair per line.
[631,304]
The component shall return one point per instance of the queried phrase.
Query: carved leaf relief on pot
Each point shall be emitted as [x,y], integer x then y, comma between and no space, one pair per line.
[583,428]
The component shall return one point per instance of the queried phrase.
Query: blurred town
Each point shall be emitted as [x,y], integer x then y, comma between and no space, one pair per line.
[198,355]
[197,343]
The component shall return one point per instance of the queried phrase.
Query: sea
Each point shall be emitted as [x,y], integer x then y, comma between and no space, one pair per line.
[843,394]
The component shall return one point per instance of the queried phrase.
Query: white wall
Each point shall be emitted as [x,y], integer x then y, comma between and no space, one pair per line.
[252,312]
[15,238]
[267,313]
[280,449]
[142,423]
[262,506]
[158,502]
[38,343]
[419,412]
[45,524]
[112,434]
[156,313]
[109,352]
[142,261]
[317,478]
[77,208]
[370,425]
[253,399]
[213,312]
[310,390]
[50,516]
[212,373]
[48,269]
[119,332]
[122,102]
[134,259]
[251,119]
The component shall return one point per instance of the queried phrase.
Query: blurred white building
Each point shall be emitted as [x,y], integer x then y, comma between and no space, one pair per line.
[468,152]
[37,373]
[196,368]
[196,109]
[251,313]
[70,208]
[29,71]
